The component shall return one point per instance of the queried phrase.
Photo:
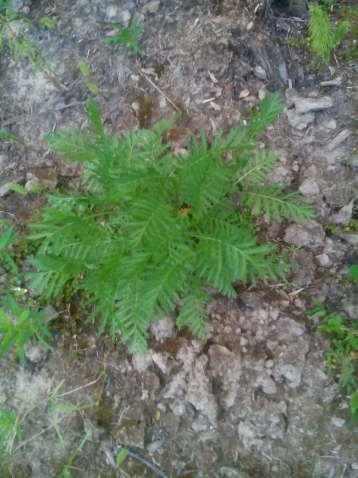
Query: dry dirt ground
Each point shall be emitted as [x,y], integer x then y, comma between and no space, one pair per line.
[255,400]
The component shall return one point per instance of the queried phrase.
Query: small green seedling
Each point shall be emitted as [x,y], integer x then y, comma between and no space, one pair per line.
[127,36]
[353,403]
[18,189]
[122,455]
[86,73]
[353,272]
[6,239]
[56,407]
[66,473]
[9,430]
[13,32]
[343,355]
[12,138]
[49,23]
[323,38]
[19,330]
[83,69]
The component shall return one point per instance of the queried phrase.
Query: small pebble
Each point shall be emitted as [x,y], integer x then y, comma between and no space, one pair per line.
[259,72]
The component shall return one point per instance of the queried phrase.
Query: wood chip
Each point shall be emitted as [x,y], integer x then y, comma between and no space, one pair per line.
[213,79]
[251,98]
[149,71]
[215,106]
[208,100]
[244,93]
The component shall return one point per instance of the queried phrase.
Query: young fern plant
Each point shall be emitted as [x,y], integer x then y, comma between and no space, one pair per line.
[13,32]
[323,38]
[151,233]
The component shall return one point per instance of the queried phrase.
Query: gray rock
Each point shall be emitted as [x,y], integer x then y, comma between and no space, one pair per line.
[151,383]
[164,361]
[281,174]
[259,72]
[36,352]
[350,238]
[4,189]
[303,273]
[344,215]
[251,299]
[32,181]
[269,424]
[154,446]
[50,312]
[130,430]
[267,384]
[140,362]
[324,260]
[226,367]
[151,7]
[125,17]
[199,392]
[298,121]
[342,136]
[113,13]
[290,362]
[336,82]
[309,234]
[307,105]
[291,96]
[282,71]
[163,329]
[353,162]
[350,305]
[337,422]
[200,424]
[331,124]
[309,187]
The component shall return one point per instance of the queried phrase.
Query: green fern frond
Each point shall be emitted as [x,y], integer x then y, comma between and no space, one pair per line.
[75,145]
[161,126]
[132,318]
[235,140]
[274,203]
[150,219]
[55,273]
[203,177]
[94,116]
[323,38]
[270,108]
[60,228]
[193,312]
[257,168]
[237,257]
[17,188]
[5,4]
[341,31]
[164,281]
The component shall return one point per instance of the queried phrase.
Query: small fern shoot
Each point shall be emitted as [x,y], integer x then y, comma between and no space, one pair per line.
[323,38]
[149,233]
